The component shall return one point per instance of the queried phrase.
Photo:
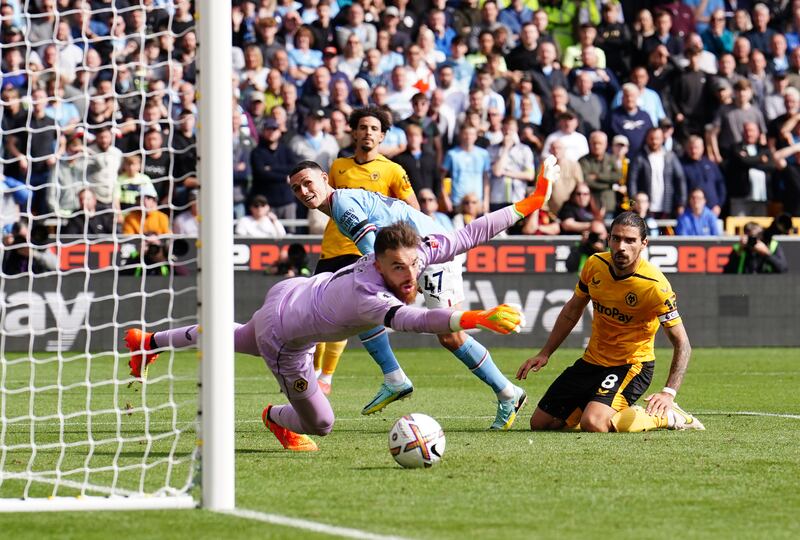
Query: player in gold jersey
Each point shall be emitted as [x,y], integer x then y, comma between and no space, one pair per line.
[631,298]
[369,170]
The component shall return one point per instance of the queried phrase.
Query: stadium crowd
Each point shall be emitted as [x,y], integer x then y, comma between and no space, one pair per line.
[688,112]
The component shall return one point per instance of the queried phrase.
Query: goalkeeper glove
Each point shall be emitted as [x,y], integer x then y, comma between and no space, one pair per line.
[503,319]
[548,174]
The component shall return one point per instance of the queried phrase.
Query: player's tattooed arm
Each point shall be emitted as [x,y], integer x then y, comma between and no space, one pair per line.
[659,403]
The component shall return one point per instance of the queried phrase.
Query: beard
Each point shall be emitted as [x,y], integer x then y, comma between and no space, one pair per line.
[407,297]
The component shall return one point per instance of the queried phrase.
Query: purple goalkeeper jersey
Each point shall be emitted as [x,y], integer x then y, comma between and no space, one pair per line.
[333,306]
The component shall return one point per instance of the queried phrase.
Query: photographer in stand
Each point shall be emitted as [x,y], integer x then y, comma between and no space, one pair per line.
[757,251]
[23,252]
[593,240]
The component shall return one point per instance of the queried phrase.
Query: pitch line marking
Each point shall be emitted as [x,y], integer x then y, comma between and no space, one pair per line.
[749,413]
[307,525]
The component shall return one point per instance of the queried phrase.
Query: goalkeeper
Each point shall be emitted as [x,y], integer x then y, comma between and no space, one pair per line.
[378,289]
[358,214]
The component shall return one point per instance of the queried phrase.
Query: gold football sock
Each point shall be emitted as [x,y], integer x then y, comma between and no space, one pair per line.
[333,351]
[635,419]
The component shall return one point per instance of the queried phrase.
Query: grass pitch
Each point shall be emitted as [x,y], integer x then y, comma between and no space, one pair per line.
[738,479]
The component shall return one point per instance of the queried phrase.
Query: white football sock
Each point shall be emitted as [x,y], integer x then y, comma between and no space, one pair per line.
[394,378]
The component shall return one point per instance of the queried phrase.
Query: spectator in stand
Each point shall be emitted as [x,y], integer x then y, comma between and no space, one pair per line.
[399,36]
[601,173]
[429,206]
[62,194]
[270,162]
[253,77]
[419,161]
[573,55]
[663,35]
[185,222]
[463,69]
[260,222]
[340,130]
[432,140]
[443,34]
[31,148]
[649,100]
[340,97]
[589,107]
[662,70]
[641,205]
[367,33]
[515,16]
[614,36]
[760,80]
[303,58]
[575,144]
[741,54]
[314,144]
[716,37]
[512,168]
[105,160]
[547,75]
[579,211]
[400,92]
[571,176]
[242,173]
[16,197]
[444,116]
[774,103]
[360,96]
[728,125]
[318,95]
[697,219]
[88,220]
[702,173]
[371,71]
[147,219]
[691,97]
[522,58]
[761,34]
[659,173]
[418,74]
[778,54]
[352,57]
[468,210]
[629,120]
[130,182]
[468,166]
[750,172]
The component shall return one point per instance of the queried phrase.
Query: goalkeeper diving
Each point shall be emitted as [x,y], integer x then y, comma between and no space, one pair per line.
[379,288]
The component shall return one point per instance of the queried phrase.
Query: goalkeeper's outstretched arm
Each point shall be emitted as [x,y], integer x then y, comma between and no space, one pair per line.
[439,248]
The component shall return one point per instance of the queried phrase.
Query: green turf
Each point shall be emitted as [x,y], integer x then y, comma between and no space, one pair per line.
[737,479]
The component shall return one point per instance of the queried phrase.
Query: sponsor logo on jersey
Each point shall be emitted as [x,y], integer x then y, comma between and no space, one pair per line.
[666,317]
[349,220]
[383,295]
[594,282]
[614,313]
[631,299]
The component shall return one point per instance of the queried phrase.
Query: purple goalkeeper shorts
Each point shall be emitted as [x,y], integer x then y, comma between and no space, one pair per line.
[292,366]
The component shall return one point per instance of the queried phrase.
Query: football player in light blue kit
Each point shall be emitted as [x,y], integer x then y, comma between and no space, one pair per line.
[359,214]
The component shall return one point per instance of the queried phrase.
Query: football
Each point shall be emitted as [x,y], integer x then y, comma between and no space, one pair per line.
[416,441]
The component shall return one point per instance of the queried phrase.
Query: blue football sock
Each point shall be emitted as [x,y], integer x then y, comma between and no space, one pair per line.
[376,341]
[479,361]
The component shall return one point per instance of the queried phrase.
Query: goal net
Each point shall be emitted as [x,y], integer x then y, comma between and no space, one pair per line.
[99,185]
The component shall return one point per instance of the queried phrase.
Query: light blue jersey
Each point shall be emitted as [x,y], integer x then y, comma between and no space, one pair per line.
[359,214]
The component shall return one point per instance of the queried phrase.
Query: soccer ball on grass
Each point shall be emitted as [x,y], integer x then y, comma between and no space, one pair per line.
[416,441]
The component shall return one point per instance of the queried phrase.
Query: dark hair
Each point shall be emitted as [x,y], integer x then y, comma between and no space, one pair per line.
[631,219]
[303,165]
[374,112]
[397,235]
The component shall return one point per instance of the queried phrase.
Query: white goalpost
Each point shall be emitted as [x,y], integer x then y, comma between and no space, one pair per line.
[77,432]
